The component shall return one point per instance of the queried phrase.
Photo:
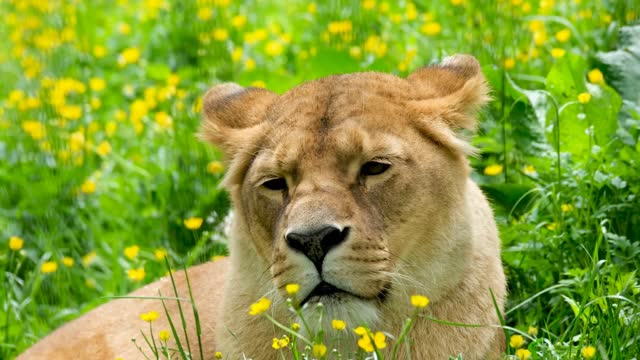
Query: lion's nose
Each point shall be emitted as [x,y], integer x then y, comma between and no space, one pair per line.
[317,243]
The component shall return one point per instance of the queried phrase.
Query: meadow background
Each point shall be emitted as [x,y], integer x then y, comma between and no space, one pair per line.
[101,176]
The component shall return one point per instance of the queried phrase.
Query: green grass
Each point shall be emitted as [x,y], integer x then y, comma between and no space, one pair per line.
[563,176]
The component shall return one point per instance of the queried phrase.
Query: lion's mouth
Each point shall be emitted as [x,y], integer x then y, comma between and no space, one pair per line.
[325,289]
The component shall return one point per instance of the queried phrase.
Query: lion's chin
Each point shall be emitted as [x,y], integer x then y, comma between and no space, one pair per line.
[353,310]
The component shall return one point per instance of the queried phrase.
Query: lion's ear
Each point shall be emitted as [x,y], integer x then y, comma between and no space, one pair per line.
[233,115]
[452,91]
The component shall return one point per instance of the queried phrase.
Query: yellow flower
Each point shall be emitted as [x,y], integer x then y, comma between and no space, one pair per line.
[566,207]
[163,120]
[217,257]
[131,251]
[340,27]
[88,187]
[558,52]
[365,341]
[124,28]
[396,18]
[360,330]
[238,21]
[411,12]
[136,274]
[533,330]
[588,352]
[563,35]
[595,76]
[236,54]
[204,14]
[259,306]
[67,261]
[295,326]
[584,97]
[99,51]
[220,34]
[338,324]
[312,8]
[529,169]
[539,37]
[120,115]
[138,110]
[249,64]
[150,316]
[259,84]
[15,243]
[71,112]
[110,128]
[129,56]
[88,258]
[493,170]
[49,267]
[552,226]
[218,355]
[104,148]
[160,253]
[164,335]
[355,52]
[419,301]
[523,354]
[97,84]
[76,141]
[431,28]
[280,343]
[319,350]
[95,103]
[536,25]
[516,341]
[221,3]
[34,128]
[292,289]
[509,63]
[273,48]
[16,96]
[193,223]
[368,4]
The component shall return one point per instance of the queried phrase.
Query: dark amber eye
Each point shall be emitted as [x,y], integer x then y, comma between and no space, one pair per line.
[373,168]
[276,184]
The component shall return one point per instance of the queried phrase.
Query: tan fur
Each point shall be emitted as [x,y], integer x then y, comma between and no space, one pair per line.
[421,227]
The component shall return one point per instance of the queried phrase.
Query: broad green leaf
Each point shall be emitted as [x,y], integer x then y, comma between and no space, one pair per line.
[565,81]
[512,198]
[623,64]
[158,71]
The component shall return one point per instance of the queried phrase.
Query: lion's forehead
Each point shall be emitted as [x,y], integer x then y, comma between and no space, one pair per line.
[323,104]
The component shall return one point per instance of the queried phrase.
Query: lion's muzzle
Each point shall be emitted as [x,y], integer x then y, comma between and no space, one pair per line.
[315,244]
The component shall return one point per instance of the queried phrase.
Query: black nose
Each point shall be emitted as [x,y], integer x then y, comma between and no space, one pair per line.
[315,245]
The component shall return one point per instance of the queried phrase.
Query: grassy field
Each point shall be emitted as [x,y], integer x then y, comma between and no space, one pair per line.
[101,176]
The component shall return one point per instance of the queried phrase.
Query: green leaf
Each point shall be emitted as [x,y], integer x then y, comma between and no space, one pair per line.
[528,118]
[622,66]
[512,198]
[565,81]
[157,71]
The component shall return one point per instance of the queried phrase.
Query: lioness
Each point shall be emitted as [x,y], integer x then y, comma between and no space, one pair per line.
[356,187]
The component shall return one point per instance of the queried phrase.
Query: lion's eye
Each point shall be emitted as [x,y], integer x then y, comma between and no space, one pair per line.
[276,184]
[372,168]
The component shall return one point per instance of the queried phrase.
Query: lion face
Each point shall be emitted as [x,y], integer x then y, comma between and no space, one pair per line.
[341,180]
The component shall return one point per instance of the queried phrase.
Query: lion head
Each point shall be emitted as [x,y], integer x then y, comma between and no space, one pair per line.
[351,185]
